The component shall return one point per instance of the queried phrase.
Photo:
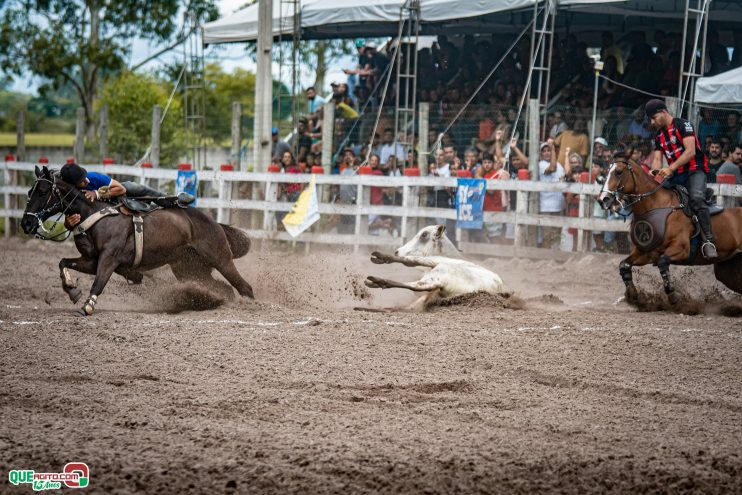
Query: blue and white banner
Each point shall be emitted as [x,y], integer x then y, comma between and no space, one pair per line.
[187,181]
[470,203]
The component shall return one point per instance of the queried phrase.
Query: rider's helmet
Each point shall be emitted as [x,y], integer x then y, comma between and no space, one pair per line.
[73,174]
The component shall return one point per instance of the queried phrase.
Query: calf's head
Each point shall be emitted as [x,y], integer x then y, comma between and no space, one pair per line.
[430,241]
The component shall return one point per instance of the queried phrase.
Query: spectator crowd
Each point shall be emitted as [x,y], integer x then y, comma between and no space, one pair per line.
[484,141]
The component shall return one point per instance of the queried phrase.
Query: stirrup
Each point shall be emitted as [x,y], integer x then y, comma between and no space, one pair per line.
[184,199]
[708,250]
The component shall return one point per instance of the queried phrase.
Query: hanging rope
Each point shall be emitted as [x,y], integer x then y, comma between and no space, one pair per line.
[139,162]
[386,87]
[526,90]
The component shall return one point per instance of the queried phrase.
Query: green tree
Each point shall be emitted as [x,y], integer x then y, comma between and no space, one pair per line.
[78,42]
[130,98]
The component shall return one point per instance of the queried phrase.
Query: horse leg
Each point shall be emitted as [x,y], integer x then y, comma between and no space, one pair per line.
[229,271]
[107,264]
[624,268]
[664,265]
[218,256]
[83,265]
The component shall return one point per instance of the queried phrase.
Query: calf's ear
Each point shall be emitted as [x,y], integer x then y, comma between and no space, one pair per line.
[440,229]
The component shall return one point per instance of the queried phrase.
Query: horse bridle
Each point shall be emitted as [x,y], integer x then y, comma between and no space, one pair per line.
[44,213]
[619,190]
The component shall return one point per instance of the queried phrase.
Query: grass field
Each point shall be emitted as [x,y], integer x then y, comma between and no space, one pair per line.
[9,139]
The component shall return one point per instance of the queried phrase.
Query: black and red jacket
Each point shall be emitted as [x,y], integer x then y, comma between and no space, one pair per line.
[670,142]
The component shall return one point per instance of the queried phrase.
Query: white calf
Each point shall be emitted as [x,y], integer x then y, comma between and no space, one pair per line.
[448,276]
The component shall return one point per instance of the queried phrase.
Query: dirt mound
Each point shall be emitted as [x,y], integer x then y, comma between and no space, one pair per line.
[478,300]
[546,299]
[189,297]
[711,301]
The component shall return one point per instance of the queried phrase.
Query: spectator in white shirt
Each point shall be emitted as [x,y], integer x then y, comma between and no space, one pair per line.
[390,147]
[314,101]
[550,203]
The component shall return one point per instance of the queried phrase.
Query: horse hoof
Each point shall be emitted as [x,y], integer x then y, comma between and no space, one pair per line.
[674,298]
[80,312]
[75,295]
[631,295]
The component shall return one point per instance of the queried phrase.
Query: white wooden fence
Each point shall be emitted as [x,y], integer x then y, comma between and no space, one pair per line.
[218,190]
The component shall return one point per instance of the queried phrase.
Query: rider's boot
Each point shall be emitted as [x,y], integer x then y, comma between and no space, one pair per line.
[708,248]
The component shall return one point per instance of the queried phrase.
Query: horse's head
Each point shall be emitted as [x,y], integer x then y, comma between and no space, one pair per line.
[48,196]
[621,180]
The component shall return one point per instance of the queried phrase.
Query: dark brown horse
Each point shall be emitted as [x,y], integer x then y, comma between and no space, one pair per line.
[662,232]
[185,238]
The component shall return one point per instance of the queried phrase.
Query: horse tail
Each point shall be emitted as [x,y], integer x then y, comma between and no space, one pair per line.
[239,243]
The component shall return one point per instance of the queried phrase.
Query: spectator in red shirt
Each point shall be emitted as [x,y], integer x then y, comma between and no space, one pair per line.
[291,191]
[492,169]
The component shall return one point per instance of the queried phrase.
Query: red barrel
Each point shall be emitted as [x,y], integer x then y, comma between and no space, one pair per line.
[365,170]
[43,160]
[464,173]
[147,165]
[226,167]
[412,172]
[274,168]
[9,158]
[524,174]
[108,161]
[585,177]
[316,169]
[185,166]
[70,160]
[726,179]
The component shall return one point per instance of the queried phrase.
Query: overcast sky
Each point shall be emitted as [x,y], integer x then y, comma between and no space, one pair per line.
[229,56]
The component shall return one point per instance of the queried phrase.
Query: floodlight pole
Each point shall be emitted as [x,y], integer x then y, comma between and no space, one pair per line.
[598,66]
[263,88]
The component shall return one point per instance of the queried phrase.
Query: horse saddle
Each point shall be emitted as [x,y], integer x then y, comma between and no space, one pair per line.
[684,198]
[648,230]
[148,204]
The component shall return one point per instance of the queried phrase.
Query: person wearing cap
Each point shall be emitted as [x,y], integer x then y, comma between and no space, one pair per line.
[97,186]
[278,146]
[687,164]
[599,145]
[550,203]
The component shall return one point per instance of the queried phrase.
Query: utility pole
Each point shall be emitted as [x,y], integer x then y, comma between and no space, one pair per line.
[263,88]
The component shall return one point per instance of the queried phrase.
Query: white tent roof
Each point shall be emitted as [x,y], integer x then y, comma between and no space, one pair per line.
[721,88]
[354,18]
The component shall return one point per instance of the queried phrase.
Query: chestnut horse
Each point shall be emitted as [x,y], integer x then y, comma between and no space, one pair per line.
[662,232]
[185,238]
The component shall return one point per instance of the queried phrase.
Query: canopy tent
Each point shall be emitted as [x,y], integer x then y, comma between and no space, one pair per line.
[721,88]
[347,18]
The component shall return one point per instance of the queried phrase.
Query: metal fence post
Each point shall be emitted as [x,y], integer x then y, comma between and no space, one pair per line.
[79,150]
[103,133]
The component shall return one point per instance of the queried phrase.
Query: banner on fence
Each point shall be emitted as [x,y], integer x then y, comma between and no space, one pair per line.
[187,181]
[305,211]
[470,203]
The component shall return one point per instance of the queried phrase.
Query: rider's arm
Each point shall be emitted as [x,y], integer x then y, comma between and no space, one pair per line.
[689,142]
[115,188]
[657,160]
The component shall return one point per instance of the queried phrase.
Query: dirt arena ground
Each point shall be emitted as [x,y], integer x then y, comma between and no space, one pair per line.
[297,393]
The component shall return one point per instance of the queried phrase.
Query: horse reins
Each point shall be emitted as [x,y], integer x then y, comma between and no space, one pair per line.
[639,197]
[50,210]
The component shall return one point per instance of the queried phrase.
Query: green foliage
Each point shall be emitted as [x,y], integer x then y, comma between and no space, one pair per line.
[75,42]
[130,98]
[221,90]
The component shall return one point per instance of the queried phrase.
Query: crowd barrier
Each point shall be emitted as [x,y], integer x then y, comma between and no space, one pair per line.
[229,193]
